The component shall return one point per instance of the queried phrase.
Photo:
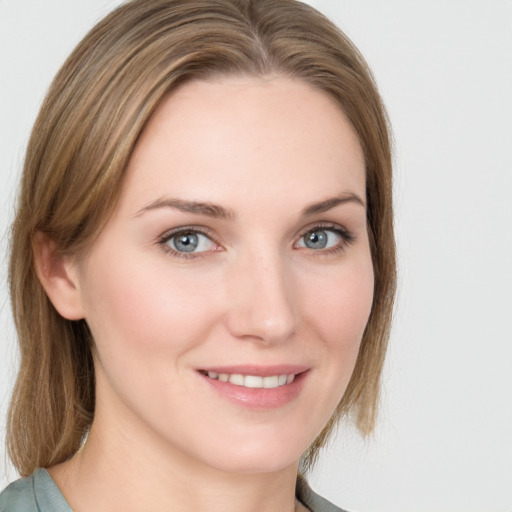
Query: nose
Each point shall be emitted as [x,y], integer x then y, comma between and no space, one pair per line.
[261,299]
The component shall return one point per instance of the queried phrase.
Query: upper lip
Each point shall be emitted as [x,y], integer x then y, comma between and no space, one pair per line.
[257,370]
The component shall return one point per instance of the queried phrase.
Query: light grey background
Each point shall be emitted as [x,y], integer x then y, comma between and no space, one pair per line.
[444,441]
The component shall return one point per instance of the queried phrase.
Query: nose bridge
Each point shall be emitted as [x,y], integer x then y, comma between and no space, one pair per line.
[262,303]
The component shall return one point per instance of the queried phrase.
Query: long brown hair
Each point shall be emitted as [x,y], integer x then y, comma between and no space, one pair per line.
[87,127]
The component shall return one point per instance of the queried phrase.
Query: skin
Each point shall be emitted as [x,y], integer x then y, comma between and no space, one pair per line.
[263,149]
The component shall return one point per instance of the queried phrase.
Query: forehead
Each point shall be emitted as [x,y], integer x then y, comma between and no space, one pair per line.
[257,136]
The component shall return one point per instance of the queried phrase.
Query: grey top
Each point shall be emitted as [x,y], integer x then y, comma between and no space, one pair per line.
[39,493]
[36,493]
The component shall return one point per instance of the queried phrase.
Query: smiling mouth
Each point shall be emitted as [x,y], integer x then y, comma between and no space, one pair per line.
[252,381]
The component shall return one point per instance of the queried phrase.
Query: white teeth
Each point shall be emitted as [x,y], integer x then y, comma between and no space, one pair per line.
[253,381]
[250,381]
[271,382]
[237,379]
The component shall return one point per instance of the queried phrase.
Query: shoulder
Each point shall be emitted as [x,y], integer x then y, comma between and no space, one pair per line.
[313,501]
[19,496]
[36,493]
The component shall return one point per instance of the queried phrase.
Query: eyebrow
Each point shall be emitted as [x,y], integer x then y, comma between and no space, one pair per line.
[219,212]
[196,207]
[332,202]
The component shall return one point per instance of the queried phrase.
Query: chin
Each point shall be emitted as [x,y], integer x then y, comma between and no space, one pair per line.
[257,464]
[256,455]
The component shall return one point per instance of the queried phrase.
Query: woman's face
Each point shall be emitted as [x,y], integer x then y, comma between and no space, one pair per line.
[228,294]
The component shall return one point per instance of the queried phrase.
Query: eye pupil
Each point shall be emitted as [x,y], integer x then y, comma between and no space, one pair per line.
[315,239]
[186,242]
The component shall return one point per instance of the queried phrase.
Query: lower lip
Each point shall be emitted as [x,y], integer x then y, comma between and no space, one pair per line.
[258,398]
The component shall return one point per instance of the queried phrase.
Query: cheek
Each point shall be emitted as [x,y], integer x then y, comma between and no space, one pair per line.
[145,321]
[340,307]
[336,312]
[146,310]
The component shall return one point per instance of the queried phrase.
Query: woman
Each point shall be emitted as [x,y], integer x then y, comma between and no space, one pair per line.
[202,268]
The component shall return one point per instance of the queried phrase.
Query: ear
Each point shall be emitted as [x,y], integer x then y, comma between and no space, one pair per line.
[58,275]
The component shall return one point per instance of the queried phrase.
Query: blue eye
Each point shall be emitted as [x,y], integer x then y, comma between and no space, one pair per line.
[323,238]
[189,242]
[316,239]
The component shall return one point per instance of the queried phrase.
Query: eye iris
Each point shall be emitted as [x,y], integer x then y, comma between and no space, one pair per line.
[315,239]
[186,242]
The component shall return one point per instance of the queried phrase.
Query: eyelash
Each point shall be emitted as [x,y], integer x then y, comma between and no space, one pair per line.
[164,239]
[347,238]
